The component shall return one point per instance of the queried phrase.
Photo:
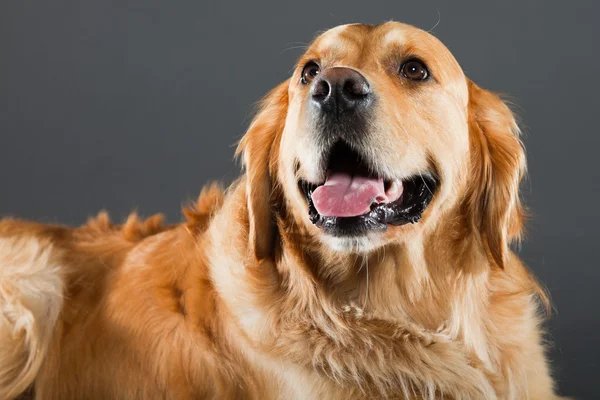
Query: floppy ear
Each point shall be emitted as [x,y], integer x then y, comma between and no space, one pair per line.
[256,148]
[498,162]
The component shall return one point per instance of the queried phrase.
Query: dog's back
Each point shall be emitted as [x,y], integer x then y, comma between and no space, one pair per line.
[52,277]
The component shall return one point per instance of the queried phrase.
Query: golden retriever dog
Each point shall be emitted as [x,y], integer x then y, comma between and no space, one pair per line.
[364,253]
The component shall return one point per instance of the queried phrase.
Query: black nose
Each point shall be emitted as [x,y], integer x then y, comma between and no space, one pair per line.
[340,89]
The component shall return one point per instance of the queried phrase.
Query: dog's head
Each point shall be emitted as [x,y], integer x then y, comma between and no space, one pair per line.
[376,136]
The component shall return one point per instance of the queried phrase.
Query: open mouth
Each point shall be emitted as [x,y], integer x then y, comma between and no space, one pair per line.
[353,200]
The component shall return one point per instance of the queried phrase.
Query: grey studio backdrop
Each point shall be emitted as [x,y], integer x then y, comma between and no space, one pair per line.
[134,105]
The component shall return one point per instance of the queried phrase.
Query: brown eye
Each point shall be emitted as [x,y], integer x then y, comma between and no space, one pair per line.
[311,69]
[414,70]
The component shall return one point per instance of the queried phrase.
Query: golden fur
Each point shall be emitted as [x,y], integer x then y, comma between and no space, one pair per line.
[247,299]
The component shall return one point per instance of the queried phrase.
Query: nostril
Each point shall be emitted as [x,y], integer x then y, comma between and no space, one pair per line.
[321,90]
[356,88]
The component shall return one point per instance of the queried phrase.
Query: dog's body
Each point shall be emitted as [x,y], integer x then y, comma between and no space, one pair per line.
[248,299]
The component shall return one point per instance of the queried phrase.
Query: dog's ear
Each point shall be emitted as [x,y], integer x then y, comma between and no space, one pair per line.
[258,149]
[498,163]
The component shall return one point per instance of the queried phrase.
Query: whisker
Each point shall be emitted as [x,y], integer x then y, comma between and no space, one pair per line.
[367,290]
[425,184]
[437,23]
[300,45]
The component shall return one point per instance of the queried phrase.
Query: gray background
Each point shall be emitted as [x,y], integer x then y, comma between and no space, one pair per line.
[130,105]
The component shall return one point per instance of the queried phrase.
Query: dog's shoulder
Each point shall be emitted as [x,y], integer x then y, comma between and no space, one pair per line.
[210,200]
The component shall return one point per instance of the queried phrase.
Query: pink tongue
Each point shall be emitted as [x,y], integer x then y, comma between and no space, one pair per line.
[343,195]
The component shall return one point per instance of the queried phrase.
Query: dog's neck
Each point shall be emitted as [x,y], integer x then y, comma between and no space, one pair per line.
[402,283]
[345,302]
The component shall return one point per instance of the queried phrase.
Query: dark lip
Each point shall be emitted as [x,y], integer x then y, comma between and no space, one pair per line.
[418,191]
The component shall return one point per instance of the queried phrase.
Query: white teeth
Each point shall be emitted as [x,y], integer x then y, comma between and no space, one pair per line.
[393,189]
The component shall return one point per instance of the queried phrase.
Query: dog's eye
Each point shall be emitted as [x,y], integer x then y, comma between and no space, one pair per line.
[414,70]
[310,70]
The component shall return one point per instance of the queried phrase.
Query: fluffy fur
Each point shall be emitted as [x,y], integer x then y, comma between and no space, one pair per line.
[247,299]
